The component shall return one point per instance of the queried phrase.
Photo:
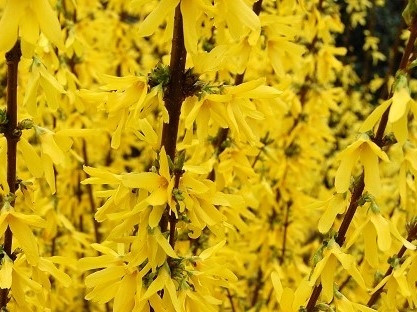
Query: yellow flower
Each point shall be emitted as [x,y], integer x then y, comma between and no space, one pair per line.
[27,18]
[240,19]
[159,185]
[376,232]
[327,62]
[6,268]
[51,88]
[368,153]
[22,281]
[396,282]
[19,225]
[326,269]
[399,104]
[288,299]
[235,109]
[157,16]
[332,207]
[344,304]
[400,100]
[125,105]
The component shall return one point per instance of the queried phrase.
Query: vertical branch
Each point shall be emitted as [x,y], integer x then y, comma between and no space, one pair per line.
[12,137]
[174,96]
[286,224]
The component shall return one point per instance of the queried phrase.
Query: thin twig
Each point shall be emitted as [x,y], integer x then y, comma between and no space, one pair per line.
[286,224]
[232,305]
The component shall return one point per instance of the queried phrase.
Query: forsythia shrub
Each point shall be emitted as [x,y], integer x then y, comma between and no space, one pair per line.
[207,155]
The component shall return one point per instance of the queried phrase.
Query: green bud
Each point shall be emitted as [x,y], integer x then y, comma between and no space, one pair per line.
[338,294]
[177,194]
[10,197]
[3,117]
[160,75]
[25,124]
[394,262]
[401,81]
[410,11]
[17,133]
[375,208]
[322,307]
[179,161]
[412,65]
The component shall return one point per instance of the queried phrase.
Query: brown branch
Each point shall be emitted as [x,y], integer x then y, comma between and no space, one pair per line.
[259,284]
[359,186]
[174,97]
[286,224]
[229,295]
[12,137]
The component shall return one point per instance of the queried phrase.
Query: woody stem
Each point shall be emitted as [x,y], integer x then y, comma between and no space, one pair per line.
[12,137]
[174,97]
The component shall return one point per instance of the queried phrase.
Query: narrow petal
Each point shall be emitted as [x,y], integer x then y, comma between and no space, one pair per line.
[156,17]
[400,129]
[26,239]
[190,14]
[48,22]
[125,296]
[376,115]
[334,207]
[102,277]
[145,180]
[327,278]
[29,27]
[399,105]
[155,215]
[383,230]
[9,23]
[47,266]
[276,283]
[163,164]
[31,158]
[371,168]
[6,269]
[170,286]
[344,172]
[318,270]
[163,243]
[371,252]
[157,284]
[158,197]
